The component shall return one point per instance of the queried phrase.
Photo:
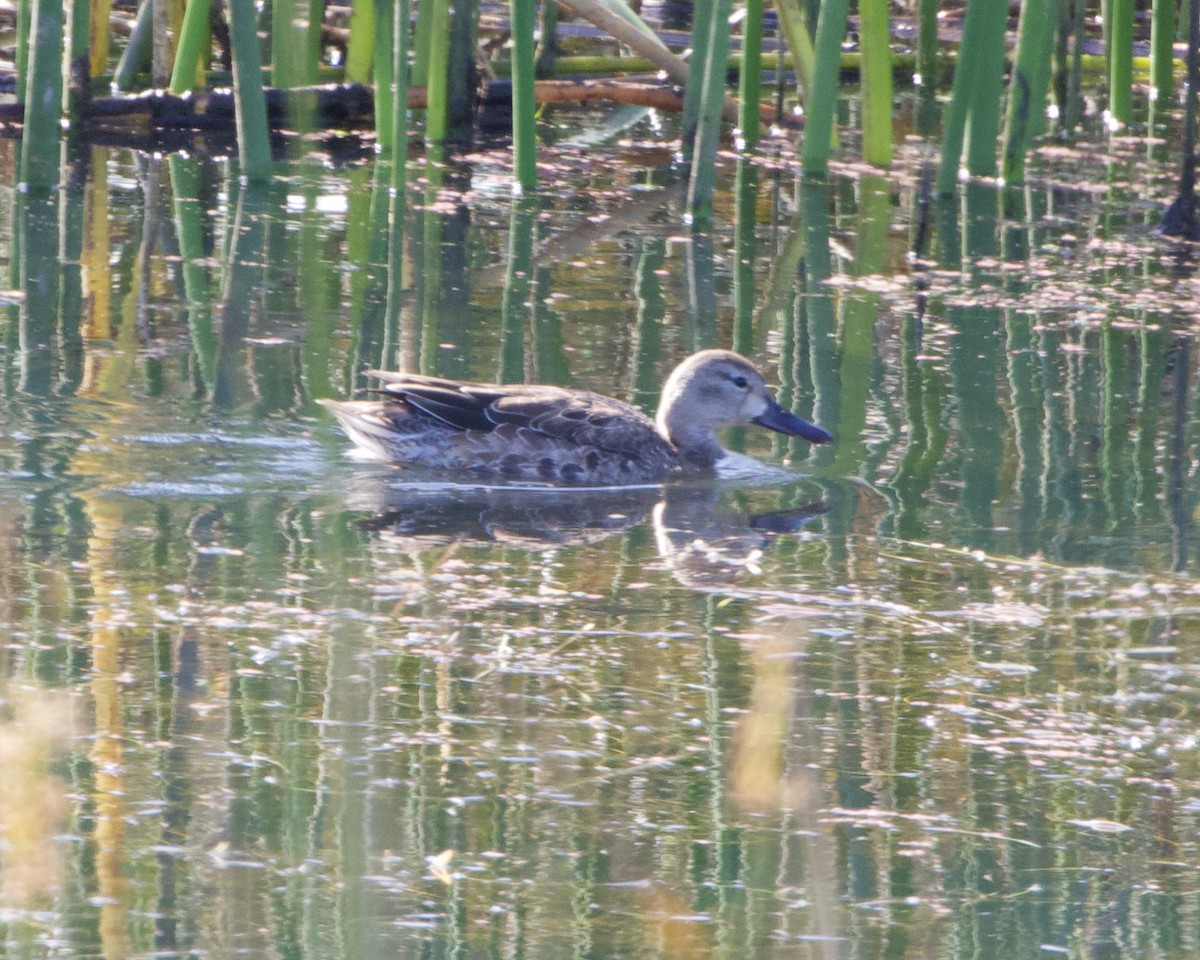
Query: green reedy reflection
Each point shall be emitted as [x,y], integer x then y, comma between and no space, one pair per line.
[821,101]
[819,308]
[702,176]
[42,96]
[36,217]
[254,145]
[517,305]
[189,232]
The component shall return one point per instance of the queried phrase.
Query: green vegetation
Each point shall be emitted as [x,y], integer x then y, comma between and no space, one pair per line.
[1047,57]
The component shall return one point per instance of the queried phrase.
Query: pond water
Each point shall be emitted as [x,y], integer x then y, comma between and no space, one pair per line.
[933,695]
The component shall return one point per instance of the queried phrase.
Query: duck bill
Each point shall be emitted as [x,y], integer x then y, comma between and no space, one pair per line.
[774,417]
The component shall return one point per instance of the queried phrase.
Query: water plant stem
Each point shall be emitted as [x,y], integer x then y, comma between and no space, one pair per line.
[524,107]
[254,146]
[822,100]
[437,118]
[193,37]
[385,88]
[43,95]
[361,47]
[750,75]
[708,128]
[876,82]
[1026,109]
[1162,62]
[1120,60]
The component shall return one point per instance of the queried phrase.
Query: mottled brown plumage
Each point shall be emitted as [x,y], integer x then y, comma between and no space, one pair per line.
[544,433]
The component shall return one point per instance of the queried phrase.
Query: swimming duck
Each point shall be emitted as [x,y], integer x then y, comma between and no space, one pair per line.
[544,433]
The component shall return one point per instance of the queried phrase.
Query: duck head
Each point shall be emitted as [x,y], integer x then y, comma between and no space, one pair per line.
[716,389]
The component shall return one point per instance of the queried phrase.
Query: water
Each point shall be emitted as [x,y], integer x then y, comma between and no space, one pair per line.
[930,695]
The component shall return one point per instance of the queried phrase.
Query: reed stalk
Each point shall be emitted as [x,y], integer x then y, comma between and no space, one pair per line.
[399,124]
[1120,60]
[189,232]
[289,43]
[547,51]
[794,26]
[24,15]
[136,55]
[462,93]
[702,177]
[1162,62]
[524,108]
[385,65]
[310,63]
[975,97]
[194,41]
[693,90]
[986,81]
[422,40]
[437,115]
[43,96]
[77,68]
[362,41]
[745,256]
[254,145]
[1073,105]
[876,82]
[516,302]
[98,36]
[750,75]
[822,99]
[1027,88]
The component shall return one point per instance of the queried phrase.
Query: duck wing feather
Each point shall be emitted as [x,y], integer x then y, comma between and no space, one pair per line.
[574,416]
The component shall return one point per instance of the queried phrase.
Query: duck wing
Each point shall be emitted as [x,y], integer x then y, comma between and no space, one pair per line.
[576,417]
[456,403]
[582,419]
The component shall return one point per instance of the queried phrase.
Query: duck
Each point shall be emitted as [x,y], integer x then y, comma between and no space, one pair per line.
[540,433]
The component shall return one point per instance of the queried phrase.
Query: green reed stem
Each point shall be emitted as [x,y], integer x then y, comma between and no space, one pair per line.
[437,104]
[524,107]
[362,41]
[288,43]
[547,51]
[136,55]
[194,41]
[24,15]
[975,96]
[189,232]
[794,26]
[693,90]
[422,41]
[399,124]
[462,83]
[254,144]
[876,82]
[1026,110]
[1120,60]
[1162,62]
[310,62]
[43,95]
[385,65]
[515,306]
[822,99]
[986,80]
[78,65]
[750,76]
[702,178]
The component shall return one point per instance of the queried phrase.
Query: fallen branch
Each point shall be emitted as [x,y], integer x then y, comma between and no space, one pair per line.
[346,106]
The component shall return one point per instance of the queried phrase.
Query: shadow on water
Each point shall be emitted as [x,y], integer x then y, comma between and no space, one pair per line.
[932,696]
[702,539]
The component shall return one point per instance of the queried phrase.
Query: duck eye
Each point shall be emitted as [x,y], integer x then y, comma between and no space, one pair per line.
[740,381]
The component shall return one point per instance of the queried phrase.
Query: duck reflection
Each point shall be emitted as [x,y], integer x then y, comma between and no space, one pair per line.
[699,531]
